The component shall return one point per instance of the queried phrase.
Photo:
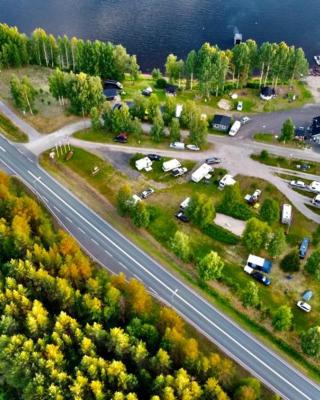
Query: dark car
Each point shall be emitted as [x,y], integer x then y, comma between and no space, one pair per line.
[154,157]
[121,138]
[182,217]
[303,248]
[258,276]
[213,160]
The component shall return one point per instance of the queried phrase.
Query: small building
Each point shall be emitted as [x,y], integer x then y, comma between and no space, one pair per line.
[227,180]
[144,163]
[111,89]
[170,165]
[286,215]
[221,123]
[259,263]
[171,90]
[315,129]
[267,93]
[201,172]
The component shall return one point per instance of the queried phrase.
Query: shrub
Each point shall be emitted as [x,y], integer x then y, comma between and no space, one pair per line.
[220,234]
[161,83]
[291,262]
[264,155]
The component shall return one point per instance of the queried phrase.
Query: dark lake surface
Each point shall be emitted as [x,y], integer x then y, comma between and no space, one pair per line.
[152,29]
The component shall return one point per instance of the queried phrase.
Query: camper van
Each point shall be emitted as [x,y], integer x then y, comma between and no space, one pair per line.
[235,128]
[201,172]
[170,165]
[227,180]
[286,216]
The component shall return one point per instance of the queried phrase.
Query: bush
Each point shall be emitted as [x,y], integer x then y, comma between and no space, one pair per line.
[291,262]
[264,155]
[238,210]
[220,234]
[161,83]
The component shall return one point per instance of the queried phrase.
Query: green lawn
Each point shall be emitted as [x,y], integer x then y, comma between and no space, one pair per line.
[11,131]
[282,162]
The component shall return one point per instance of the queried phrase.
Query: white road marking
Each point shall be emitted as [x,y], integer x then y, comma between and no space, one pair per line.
[4,150]
[109,254]
[30,159]
[8,166]
[122,265]
[45,199]
[69,219]
[19,150]
[57,209]
[94,241]
[177,295]
[80,229]
[153,291]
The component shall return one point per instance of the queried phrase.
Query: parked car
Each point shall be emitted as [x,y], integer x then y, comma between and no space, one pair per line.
[182,217]
[240,106]
[298,184]
[192,147]
[304,247]
[307,295]
[177,145]
[154,157]
[244,120]
[179,171]
[304,306]
[147,91]
[256,195]
[258,276]
[121,138]
[213,160]
[146,193]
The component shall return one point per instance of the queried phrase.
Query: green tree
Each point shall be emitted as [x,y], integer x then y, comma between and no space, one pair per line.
[106,115]
[210,267]
[277,243]
[310,342]
[172,67]
[198,130]
[270,211]
[291,262]
[95,118]
[180,244]
[201,210]
[313,264]
[157,130]
[124,198]
[23,93]
[140,215]
[133,68]
[135,128]
[156,74]
[175,130]
[58,85]
[282,318]
[121,119]
[250,295]
[191,64]
[287,131]
[256,235]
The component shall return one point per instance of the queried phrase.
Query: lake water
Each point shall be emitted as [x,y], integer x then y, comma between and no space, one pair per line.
[152,29]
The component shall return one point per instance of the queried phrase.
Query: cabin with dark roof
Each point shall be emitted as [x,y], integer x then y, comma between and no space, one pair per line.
[221,123]
[267,93]
[111,89]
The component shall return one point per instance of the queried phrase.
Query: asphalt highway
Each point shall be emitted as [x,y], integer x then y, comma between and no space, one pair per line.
[112,250]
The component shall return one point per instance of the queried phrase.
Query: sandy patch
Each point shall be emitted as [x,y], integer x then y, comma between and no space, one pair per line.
[314,87]
[236,226]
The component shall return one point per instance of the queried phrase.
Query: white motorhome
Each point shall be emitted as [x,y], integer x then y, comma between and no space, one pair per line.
[315,187]
[201,172]
[144,163]
[227,180]
[286,216]
[235,128]
[170,165]
[185,203]
[316,200]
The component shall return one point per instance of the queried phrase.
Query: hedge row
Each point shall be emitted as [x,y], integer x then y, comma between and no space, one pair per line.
[222,235]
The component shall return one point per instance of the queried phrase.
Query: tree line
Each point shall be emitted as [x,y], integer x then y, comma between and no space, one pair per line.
[216,69]
[95,58]
[68,330]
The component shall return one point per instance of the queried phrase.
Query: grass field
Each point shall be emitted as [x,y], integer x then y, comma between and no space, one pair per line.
[50,116]
[165,203]
[11,131]
[292,163]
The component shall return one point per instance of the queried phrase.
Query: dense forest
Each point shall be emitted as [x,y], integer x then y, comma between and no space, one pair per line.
[68,330]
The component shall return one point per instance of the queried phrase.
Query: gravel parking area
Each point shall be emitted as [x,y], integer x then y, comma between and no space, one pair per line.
[236,226]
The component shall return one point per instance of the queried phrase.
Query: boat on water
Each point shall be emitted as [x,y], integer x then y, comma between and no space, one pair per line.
[237,38]
[317,59]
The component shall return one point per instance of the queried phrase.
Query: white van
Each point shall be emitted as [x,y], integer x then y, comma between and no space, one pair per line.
[235,128]
[177,145]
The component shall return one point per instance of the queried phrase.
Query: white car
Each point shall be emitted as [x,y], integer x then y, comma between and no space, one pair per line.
[193,147]
[240,106]
[256,194]
[244,120]
[304,306]
[179,171]
[298,184]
